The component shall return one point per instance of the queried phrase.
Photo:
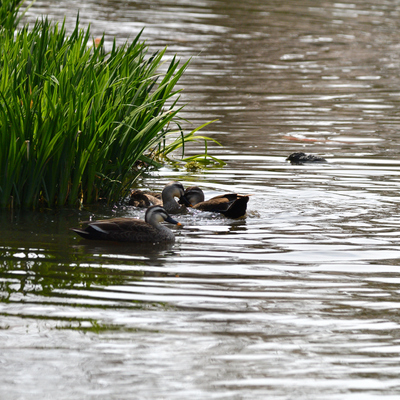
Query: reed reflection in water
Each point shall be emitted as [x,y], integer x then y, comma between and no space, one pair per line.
[300,298]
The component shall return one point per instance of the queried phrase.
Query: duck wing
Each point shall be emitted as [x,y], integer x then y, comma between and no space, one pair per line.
[230,197]
[214,204]
[120,230]
[231,205]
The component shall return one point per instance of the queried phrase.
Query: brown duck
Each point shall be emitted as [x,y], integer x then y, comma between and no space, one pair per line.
[231,205]
[166,199]
[131,229]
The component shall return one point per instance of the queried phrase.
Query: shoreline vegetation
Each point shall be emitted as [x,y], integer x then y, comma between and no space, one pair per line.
[78,123]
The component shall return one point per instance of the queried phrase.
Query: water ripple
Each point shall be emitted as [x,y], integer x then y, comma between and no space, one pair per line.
[299,299]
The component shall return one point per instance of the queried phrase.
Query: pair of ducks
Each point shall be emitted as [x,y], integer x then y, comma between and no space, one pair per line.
[150,230]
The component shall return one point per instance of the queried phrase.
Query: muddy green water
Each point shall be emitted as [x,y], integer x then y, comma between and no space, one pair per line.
[300,299]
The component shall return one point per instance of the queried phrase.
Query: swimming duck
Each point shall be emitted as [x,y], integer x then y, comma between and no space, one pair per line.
[166,199]
[144,199]
[131,229]
[231,205]
[302,158]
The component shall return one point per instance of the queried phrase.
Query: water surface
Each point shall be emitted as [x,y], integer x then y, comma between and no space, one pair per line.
[298,300]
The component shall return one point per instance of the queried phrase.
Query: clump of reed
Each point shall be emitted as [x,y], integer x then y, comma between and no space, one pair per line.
[78,123]
[10,12]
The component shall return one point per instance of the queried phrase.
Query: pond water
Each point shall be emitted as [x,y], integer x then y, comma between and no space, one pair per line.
[298,300]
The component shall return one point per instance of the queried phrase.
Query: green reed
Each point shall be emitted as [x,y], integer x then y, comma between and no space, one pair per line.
[10,12]
[79,123]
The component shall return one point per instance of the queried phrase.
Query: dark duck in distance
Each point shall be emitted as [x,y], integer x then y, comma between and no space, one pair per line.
[302,158]
[231,205]
[131,229]
[166,199]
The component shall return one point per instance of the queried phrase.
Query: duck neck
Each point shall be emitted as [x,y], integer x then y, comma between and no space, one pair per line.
[169,203]
[164,232]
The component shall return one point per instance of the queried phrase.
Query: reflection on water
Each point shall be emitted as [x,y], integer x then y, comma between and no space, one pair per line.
[300,298]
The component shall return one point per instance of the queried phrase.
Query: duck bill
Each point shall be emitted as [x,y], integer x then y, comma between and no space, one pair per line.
[172,221]
[183,200]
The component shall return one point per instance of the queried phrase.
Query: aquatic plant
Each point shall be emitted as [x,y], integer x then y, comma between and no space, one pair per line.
[79,123]
[10,12]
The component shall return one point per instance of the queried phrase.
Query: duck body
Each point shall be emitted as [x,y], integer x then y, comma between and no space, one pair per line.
[131,229]
[166,199]
[144,199]
[231,205]
[302,158]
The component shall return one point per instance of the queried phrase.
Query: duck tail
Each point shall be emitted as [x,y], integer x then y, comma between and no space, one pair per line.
[237,209]
[80,232]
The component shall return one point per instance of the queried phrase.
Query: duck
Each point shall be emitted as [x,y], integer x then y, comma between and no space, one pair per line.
[131,229]
[231,205]
[300,158]
[144,198]
[166,199]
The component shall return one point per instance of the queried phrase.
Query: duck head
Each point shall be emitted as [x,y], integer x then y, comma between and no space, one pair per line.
[157,214]
[174,189]
[192,196]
